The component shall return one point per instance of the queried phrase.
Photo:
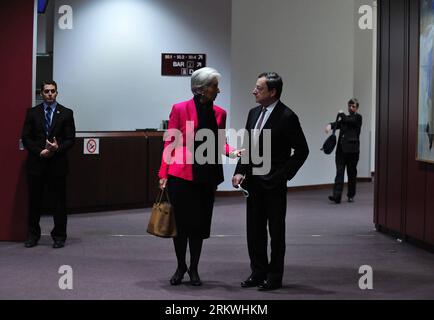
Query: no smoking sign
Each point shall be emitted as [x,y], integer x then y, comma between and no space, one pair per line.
[91,146]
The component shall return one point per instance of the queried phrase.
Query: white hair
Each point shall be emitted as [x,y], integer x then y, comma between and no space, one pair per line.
[201,78]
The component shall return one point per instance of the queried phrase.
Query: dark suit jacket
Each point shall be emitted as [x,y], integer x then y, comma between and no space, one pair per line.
[33,137]
[289,148]
[349,134]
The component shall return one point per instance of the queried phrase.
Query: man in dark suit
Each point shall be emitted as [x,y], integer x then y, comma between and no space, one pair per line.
[48,133]
[347,150]
[286,152]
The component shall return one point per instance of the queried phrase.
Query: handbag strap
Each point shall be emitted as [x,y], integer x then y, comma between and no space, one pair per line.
[160,197]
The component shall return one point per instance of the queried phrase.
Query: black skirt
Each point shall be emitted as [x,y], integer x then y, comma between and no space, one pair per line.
[193,205]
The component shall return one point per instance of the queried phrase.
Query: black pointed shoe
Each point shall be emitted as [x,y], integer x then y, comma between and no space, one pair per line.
[31,242]
[177,277]
[58,244]
[251,282]
[335,199]
[270,285]
[194,278]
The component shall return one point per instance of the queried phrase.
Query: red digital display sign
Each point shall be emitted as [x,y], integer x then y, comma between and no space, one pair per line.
[181,64]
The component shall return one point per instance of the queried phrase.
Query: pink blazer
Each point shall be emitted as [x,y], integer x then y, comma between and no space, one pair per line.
[183,117]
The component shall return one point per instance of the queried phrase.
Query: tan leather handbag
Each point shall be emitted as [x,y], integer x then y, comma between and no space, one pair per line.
[162,219]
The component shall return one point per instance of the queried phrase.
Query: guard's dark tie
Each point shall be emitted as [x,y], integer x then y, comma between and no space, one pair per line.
[47,120]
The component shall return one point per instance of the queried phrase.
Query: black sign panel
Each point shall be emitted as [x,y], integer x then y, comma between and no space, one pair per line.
[181,64]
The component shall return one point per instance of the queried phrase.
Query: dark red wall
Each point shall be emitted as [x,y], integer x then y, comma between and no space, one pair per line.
[404,187]
[16,36]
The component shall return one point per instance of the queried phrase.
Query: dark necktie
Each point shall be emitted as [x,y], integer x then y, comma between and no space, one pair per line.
[257,131]
[47,120]
[261,119]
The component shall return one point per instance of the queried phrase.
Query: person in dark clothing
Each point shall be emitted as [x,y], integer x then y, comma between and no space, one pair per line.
[347,150]
[191,183]
[266,204]
[48,133]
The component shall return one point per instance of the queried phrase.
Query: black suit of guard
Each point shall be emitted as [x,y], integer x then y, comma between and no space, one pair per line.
[46,176]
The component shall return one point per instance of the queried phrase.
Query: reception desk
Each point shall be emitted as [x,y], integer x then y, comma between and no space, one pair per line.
[122,175]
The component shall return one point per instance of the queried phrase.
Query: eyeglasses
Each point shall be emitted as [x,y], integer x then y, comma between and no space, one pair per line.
[244,191]
[46,91]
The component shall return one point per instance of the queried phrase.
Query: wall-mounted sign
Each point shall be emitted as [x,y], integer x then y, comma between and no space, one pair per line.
[181,64]
[91,146]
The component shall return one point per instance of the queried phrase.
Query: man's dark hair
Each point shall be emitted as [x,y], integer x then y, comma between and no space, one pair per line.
[48,82]
[354,101]
[274,81]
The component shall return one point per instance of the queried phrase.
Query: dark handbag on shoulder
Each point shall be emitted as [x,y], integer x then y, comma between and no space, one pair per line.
[162,219]
[330,143]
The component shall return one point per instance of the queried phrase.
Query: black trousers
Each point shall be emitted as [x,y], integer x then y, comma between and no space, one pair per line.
[266,207]
[47,195]
[349,161]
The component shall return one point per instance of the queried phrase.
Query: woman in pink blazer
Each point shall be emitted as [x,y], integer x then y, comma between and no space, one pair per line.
[192,182]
